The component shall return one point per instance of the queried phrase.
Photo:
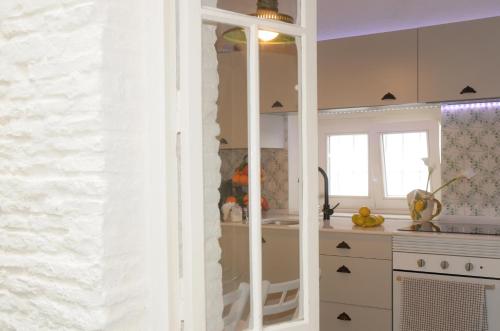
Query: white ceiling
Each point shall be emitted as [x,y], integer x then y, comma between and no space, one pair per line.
[347,18]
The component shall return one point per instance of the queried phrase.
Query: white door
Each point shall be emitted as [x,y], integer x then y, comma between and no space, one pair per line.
[201,27]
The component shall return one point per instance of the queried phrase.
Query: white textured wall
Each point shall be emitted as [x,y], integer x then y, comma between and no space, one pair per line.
[212,177]
[212,180]
[72,126]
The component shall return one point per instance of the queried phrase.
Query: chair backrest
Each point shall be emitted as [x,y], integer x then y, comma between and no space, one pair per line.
[285,303]
[236,301]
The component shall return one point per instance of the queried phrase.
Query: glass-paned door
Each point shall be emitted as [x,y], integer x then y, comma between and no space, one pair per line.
[249,209]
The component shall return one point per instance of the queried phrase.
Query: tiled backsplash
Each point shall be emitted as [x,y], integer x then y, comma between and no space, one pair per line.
[275,165]
[471,138]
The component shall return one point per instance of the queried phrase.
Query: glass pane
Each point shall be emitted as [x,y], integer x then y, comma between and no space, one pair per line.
[404,169]
[226,181]
[227,178]
[348,165]
[280,188]
[284,11]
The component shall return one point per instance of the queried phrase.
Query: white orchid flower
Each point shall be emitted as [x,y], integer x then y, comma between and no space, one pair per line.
[430,170]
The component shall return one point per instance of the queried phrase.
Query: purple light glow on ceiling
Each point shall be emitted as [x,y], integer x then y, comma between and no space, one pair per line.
[347,18]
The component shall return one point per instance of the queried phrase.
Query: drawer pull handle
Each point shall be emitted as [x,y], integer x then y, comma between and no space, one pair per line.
[468,90]
[277,104]
[344,269]
[344,245]
[389,96]
[344,317]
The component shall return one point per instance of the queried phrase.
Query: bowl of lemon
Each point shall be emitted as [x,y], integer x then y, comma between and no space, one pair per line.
[365,219]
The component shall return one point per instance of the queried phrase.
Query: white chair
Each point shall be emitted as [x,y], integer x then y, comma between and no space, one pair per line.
[235,301]
[286,302]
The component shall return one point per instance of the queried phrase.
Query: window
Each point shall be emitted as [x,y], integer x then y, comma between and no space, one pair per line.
[348,165]
[373,160]
[403,167]
[199,68]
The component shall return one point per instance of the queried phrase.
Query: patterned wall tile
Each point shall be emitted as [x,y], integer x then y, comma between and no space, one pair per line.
[471,138]
[275,165]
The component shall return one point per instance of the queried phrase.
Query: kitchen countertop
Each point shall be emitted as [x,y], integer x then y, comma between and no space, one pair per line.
[343,224]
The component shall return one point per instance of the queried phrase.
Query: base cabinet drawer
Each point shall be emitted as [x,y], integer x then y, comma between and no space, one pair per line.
[357,281]
[356,245]
[341,317]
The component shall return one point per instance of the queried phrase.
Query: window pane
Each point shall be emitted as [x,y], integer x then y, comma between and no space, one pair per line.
[403,167]
[348,165]
[283,11]
[226,178]
[280,159]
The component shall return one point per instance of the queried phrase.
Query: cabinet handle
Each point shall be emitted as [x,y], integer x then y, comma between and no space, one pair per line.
[344,245]
[223,141]
[344,317]
[343,269]
[389,96]
[277,104]
[468,90]
[264,240]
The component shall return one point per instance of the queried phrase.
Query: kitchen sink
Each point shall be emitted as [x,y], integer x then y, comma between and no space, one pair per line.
[281,220]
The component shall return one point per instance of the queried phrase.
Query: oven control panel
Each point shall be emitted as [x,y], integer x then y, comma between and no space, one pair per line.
[447,264]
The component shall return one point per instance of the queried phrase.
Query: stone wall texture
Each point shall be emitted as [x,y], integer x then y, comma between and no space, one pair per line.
[72,137]
[212,180]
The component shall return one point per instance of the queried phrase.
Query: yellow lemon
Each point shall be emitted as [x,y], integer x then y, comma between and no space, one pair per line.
[419,205]
[364,211]
[357,219]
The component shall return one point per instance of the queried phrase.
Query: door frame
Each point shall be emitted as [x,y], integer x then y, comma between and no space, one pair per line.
[191,15]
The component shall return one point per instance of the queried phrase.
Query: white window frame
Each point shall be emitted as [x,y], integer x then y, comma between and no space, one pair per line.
[375,128]
[191,15]
[399,205]
[163,250]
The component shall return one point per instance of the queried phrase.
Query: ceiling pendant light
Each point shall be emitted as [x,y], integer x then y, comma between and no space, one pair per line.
[267,9]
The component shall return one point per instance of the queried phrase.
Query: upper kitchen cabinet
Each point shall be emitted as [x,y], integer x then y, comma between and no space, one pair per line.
[278,81]
[232,114]
[232,101]
[379,69]
[460,61]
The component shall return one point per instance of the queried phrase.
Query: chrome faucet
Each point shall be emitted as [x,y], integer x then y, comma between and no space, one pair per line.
[327,211]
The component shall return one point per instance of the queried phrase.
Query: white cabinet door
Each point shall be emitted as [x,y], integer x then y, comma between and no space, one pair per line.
[232,101]
[361,71]
[455,56]
[233,116]
[280,254]
[278,81]
[227,113]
